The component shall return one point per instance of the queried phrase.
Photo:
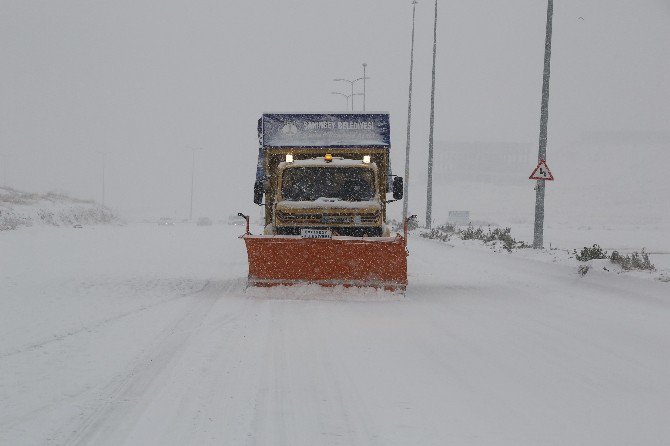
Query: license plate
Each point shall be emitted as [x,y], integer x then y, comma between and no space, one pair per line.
[316,233]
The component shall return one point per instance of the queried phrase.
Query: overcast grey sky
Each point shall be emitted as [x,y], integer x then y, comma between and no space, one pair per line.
[147,81]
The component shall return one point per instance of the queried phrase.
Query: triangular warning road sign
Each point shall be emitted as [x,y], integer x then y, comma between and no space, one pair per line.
[541,172]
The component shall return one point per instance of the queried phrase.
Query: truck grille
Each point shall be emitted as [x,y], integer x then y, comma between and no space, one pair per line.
[328,218]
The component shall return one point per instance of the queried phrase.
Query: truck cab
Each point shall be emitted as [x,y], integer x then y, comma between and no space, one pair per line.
[334,175]
[339,194]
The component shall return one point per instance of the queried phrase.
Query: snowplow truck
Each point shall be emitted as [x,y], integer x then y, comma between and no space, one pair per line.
[325,180]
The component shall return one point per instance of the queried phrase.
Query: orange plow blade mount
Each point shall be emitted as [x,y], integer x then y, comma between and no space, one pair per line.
[348,261]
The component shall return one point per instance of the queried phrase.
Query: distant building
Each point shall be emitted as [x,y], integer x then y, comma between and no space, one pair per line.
[459,218]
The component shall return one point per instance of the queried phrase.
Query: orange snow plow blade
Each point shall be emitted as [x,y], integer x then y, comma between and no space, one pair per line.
[348,261]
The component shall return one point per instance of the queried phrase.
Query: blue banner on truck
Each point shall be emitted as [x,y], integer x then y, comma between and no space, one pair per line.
[325,130]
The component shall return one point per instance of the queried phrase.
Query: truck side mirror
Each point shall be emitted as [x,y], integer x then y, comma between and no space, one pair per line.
[258,192]
[397,188]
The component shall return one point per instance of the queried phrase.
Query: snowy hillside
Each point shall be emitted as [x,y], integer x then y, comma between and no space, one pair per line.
[53,209]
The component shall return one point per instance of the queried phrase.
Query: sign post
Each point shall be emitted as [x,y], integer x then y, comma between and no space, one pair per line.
[538,238]
[429,189]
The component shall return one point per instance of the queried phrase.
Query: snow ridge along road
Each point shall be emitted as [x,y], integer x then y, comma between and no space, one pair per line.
[146,335]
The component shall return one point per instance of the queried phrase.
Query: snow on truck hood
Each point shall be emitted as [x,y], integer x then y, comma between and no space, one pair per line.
[331,203]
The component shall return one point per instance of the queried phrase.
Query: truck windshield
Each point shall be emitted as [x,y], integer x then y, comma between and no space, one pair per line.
[312,183]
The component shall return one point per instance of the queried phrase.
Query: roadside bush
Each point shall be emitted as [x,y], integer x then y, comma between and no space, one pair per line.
[442,233]
[593,253]
[492,236]
[471,233]
[633,261]
[583,269]
[504,236]
[47,217]
[488,236]
[9,221]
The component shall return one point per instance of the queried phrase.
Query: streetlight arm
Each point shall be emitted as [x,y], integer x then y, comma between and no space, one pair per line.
[346,97]
[352,82]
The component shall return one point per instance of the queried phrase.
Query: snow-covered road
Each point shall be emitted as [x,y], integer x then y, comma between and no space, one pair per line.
[146,335]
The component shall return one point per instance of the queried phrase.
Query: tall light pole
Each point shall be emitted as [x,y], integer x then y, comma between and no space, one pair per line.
[104,156]
[538,236]
[351,82]
[409,120]
[364,66]
[190,212]
[347,96]
[429,190]
[4,168]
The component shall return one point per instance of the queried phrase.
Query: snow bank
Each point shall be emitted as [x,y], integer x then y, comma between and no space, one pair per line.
[562,256]
[19,209]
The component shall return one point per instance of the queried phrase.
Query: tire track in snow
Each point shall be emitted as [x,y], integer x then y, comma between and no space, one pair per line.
[217,405]
[73,398]
[109,421]
[350,404]
[303,395]
[101,323]
[267,425]
[213,377]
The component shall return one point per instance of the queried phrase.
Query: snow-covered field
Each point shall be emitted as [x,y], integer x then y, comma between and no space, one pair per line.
[603,191]
[145,334]
[19,209]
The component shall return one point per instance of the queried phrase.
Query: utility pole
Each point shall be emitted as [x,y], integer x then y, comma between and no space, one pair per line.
[429,190]
[4,168]
[364,66]
[409,120]
[190,212]
[104,156]
[538,239]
